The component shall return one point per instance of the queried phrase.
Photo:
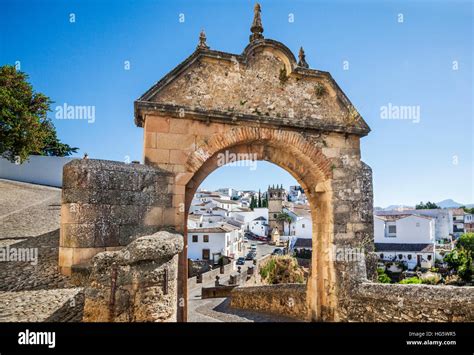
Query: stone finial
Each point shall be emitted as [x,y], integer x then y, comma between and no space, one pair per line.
[302,59]
[202,41]
[257,28]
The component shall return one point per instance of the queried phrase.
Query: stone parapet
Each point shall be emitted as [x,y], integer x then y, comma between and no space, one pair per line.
[284,299]
[376,302]
[135,284]
[107,204]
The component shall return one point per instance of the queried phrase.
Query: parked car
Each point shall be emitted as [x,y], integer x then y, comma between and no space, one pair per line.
[253,247]
[246,240]
[241,261]
[277,251]
[250,256]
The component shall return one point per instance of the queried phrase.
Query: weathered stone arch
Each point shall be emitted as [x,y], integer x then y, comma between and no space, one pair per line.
[306,163]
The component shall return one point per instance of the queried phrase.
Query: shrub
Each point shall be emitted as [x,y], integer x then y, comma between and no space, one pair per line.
[281,270]
[411,280]
[431,280]
[383,277]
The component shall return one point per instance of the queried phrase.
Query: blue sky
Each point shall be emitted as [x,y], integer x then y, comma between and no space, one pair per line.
[405,64]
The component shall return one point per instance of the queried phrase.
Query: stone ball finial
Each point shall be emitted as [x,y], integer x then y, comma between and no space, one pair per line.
[302,59]
[257,27]
[202,41]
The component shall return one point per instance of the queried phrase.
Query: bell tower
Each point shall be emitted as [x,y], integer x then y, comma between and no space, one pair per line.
[276,195]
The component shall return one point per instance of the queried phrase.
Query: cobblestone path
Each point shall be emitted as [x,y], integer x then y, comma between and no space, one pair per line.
[33,289]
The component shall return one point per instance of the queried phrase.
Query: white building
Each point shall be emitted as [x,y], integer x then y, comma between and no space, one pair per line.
[296,195]
[301,226]
[229,192]
[406,238]
[443,220]
[213,242]
[248,216]
[228,205]
[458,221]
[258,226]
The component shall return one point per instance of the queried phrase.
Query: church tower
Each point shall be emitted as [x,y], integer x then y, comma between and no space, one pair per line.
[276,195]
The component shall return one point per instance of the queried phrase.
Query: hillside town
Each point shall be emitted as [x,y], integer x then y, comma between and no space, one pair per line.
[239,226]
[234,225]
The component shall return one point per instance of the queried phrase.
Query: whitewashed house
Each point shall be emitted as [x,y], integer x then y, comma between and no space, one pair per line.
[458,222]
[258,226]
[406,238]
[443,220]
[228,205]
[213,242]
[301,225]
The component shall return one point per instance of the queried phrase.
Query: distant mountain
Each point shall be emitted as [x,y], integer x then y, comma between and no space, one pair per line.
[449,203]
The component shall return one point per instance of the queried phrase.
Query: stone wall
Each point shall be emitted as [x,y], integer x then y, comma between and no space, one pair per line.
[375,302]
[209,276]
[135,284]
[106,205]
[286,299]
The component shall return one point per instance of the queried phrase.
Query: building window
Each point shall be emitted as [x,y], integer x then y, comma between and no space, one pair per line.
[429,257]
[400,256]
[195,238]
[302,226]
[409,256]
[206,238]
[274,215]
[392,229]
[381,256]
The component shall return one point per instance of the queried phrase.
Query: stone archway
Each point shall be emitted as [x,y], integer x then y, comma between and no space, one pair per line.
[261,102]
[306,163]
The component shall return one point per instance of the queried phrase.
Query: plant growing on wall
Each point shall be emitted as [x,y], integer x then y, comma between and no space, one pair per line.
[283,76]
[320,90]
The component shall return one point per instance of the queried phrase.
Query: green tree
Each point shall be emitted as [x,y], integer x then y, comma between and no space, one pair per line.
[25,128]
[427,206]
[460,259]
[468,210]
[253,203]
[466,241]
[259,199]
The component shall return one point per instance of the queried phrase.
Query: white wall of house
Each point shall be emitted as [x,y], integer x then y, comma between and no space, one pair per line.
[409,258]
[443,220]
[411,229]
[218,243]
[39,170]
[249,216]
[258,227]
[302,227]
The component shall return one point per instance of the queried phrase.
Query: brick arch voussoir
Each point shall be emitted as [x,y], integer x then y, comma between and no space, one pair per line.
[247,134]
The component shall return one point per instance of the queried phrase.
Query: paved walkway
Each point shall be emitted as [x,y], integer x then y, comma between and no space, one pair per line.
[33,289]
[219,310]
